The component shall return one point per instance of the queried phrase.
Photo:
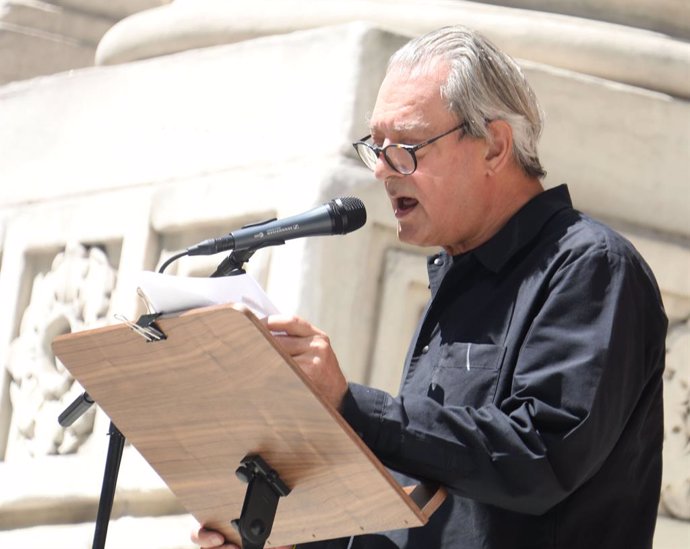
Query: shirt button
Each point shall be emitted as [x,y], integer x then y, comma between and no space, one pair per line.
[425,349]
[438,261]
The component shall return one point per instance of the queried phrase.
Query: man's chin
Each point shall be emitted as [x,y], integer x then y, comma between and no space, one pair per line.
[409,237]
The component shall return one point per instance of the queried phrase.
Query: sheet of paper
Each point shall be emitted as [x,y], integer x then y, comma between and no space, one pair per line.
[168,293]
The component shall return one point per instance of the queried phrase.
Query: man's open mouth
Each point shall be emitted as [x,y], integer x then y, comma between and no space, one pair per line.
[404,204]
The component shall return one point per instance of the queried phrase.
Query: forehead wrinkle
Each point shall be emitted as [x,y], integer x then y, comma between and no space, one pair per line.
[404,102]
[407,125]
[399,126]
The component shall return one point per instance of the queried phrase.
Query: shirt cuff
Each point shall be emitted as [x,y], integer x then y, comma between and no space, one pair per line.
[363,409]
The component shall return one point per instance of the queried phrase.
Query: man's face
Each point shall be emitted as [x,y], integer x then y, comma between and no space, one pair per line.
[442,202]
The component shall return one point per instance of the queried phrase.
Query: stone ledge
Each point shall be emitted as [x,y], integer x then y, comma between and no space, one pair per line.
[109,8]
[621,149]
[85,28]
[171,532]
[590,47]
[182,116]
[66,489]
[667,16]
[49,53]
[671,534]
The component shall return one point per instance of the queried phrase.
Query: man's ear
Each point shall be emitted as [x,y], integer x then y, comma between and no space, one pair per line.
[500,147]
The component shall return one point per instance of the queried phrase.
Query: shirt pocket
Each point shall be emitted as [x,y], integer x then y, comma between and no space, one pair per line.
[466,374]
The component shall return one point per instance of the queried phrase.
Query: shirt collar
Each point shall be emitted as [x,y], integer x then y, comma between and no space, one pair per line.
[522,227]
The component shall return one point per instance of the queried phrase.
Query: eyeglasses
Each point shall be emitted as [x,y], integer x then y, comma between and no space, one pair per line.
[401,158]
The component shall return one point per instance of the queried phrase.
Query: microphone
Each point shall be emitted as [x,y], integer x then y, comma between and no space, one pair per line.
[337,216]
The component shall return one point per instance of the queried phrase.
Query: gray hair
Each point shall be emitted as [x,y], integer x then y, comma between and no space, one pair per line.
[483,84]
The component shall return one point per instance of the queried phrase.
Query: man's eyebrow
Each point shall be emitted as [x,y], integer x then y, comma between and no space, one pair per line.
[401,127]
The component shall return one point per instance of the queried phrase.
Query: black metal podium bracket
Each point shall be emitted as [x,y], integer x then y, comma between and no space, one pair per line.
[75,410]
[260,501]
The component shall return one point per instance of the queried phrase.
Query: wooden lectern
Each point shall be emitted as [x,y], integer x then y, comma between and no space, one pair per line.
[218,389]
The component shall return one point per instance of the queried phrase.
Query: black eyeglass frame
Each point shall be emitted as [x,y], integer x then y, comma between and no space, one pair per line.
[410,149]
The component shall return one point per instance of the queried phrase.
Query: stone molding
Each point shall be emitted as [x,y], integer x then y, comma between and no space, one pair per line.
[590,47]
[665,16]
[45,37]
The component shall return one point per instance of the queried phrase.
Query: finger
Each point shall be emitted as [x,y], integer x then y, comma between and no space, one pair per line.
[210,539]
[311,350]
[294,345]
[291,325]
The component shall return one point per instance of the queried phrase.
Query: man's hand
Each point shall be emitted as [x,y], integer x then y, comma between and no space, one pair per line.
[311,349]
[210,539]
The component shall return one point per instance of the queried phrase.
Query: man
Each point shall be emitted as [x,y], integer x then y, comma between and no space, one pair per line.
[533,387]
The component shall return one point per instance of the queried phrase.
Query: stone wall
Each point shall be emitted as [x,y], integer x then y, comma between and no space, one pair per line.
[198,121]
[42,38]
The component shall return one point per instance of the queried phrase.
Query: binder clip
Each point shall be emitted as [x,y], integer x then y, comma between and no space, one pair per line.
[146,326]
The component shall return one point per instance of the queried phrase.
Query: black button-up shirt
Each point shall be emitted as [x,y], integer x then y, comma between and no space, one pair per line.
[532,390]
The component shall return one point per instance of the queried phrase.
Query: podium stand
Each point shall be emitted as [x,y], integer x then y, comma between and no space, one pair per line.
[218,389]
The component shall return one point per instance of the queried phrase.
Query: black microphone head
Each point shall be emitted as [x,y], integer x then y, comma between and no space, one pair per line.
[349,214]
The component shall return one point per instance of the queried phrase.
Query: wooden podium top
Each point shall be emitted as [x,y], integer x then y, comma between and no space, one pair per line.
[218,388]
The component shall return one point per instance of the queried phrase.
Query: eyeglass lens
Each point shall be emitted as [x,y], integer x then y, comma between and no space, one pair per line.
[367,155]
[399,158]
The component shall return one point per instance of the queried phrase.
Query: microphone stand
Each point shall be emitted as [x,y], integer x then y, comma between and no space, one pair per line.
[230,266]
[112,466]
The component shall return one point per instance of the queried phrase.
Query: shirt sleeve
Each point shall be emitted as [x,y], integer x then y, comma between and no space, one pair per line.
[594,347]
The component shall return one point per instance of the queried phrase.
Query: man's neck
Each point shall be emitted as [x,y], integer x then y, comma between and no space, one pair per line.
[507,196]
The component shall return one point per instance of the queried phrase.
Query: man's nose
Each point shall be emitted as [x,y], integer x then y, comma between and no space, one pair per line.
[383,169]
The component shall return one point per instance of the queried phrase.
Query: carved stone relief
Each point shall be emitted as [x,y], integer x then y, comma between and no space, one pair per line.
[675,490]
[73,295]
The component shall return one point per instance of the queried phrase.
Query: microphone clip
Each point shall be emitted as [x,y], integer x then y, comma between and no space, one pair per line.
[233,264]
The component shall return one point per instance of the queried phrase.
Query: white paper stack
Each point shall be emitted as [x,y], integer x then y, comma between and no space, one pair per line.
[168,293]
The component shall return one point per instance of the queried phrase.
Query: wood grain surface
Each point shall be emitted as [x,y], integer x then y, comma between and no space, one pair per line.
[217,389]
